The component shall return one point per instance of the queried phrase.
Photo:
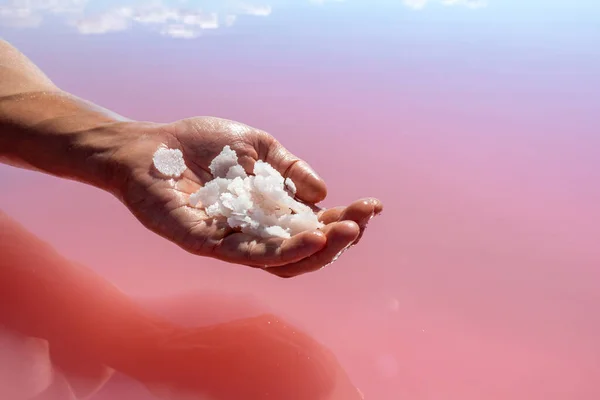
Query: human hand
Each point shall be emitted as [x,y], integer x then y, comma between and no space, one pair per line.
[162,204]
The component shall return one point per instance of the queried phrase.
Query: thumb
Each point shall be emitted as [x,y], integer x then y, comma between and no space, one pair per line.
[310,187]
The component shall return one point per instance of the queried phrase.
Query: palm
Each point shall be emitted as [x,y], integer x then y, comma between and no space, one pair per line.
[163,204]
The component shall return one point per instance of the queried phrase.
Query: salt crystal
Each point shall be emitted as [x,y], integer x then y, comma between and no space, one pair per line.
[220,165]
[297,223]
[169,162]
[277,231]
[261,204]
[290,186]
[236,171]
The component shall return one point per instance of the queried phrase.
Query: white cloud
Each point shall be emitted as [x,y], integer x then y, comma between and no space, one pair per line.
[113,21]
[171,22]
[420,4]
[466,3]
[416,4]
[260,11]
[21,17]
[204,21]
[325,1]
[180,31]
[158,15]
[58,6]
[175,18]
[30,13]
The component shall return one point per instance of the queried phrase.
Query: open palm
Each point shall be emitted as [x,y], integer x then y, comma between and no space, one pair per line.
[162,204]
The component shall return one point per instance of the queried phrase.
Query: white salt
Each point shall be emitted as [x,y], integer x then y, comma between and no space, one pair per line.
[277,231]
[235,172]
[290,186]
[220,165]
[258,204]
[169,162]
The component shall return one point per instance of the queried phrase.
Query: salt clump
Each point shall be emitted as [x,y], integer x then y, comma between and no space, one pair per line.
[169,162]
[258,204]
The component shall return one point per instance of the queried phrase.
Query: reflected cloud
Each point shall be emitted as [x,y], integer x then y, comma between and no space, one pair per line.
[30,13]
[420,4]
[178,19]
[114,21]
[185,19]
[175,22]
[168,21]
[326,1]
[416,4]
[261,11]
[466,3]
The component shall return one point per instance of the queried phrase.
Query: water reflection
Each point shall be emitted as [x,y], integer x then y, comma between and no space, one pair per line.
[419,4]
[174,18]
[480,281]
[63,329]
[180,19]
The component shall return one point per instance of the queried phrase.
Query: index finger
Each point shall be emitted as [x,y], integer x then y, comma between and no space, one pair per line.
[310,187]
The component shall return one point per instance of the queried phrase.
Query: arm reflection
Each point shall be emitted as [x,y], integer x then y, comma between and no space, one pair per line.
[92,328]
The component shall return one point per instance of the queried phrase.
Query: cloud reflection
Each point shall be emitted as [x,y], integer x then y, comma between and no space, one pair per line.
[419,4]
[30,13]
[416,4]
[466,3]
[179,19]
[326,1]
[184,19]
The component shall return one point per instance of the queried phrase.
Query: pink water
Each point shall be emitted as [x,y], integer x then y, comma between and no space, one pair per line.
[477,128]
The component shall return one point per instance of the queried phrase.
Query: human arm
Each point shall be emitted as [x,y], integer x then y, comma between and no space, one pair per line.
[46,129]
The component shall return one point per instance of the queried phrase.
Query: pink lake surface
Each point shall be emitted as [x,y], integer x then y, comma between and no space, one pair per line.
[476,123]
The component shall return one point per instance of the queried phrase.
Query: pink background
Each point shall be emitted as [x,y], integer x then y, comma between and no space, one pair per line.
[478,129]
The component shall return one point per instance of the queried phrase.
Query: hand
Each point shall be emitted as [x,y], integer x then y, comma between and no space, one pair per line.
[162,205]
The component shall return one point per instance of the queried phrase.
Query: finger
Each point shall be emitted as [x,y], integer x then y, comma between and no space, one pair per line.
[331,215]
[340,235]
[377,209]
[378,206]
[361,212]
[309,186]
[242,248]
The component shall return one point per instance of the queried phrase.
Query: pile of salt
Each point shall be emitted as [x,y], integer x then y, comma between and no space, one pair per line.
[261,204]
[169,162]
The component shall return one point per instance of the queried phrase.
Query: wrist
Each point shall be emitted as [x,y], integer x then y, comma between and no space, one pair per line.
[62,135]
[103,154]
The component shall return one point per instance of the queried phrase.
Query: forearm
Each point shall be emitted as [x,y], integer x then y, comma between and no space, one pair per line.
[46,129]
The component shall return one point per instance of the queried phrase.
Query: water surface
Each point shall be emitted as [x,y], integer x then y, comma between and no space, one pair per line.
[476,123]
